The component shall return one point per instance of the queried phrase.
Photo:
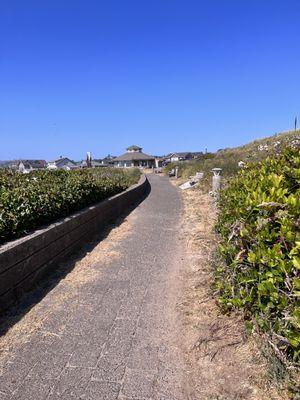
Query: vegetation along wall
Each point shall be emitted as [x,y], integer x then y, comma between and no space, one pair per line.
[25,260]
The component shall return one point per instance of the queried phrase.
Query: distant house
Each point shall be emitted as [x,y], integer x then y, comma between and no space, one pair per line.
[98,162]
[10,164]
[33,164]
[94,164]
[197,154]
[108,160]
[181,156]
[134,157]
[62,163]
[25,166]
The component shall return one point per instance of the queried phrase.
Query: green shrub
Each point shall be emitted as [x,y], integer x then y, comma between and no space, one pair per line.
[259,218]
[31,200]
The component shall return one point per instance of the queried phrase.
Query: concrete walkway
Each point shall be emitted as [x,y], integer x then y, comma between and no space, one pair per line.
[114,334]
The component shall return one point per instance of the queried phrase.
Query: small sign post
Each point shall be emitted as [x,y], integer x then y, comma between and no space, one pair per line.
[216,182]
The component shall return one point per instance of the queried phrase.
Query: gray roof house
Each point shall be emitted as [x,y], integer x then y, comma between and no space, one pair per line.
[25,166]
[108,160]
[94,164]
[181,156]
[197,154]
[134,157]
[31,165]
[62,163]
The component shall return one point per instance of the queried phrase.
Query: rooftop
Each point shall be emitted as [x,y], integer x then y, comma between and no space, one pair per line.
[181,154]
[134,148]
[131,156]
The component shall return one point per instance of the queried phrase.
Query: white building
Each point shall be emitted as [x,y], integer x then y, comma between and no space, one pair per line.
[62,163]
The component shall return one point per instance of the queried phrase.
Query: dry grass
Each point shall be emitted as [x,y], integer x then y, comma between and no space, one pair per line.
[224,362]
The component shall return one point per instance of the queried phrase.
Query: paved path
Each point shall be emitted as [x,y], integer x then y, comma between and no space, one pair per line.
[115,334]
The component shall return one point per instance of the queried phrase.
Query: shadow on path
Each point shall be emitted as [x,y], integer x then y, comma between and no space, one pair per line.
[16,312]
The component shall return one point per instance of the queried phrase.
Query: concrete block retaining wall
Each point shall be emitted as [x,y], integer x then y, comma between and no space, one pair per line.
[23,262]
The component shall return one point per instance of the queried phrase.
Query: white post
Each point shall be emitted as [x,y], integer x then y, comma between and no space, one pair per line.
[216,182]
[176,172]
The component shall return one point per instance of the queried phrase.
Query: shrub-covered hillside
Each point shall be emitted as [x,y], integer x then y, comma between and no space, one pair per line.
[228,159]
[31,200]
[259,221]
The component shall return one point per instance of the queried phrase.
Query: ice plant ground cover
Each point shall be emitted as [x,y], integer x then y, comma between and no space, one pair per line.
[28,201]
[259,216]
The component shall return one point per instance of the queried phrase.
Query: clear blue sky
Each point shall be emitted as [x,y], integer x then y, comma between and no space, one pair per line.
[166,75]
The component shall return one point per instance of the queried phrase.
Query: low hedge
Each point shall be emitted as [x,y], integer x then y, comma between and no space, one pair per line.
[259,220]
[28,201]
